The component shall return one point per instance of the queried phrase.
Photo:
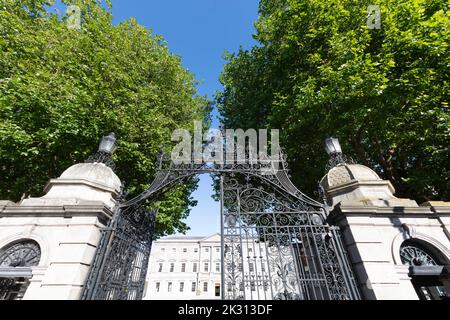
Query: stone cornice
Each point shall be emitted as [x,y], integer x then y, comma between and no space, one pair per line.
[340,212]
[84,182]
[94,208]
[375,210]
[354,184]
[441,208]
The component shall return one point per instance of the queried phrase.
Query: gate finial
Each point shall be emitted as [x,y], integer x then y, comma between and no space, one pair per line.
[333,148]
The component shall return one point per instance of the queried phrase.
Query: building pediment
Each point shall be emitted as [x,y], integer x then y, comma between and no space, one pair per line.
[212,238]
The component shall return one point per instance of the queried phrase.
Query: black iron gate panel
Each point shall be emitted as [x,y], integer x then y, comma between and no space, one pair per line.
[276,246]
[120,266]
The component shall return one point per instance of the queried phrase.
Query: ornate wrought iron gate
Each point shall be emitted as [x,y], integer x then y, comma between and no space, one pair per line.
[276,243]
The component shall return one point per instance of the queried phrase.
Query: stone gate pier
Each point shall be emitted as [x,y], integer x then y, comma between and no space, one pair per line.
[47,244]
[398,248]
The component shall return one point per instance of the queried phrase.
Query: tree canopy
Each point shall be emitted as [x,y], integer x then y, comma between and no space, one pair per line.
[63,88]
[320,70]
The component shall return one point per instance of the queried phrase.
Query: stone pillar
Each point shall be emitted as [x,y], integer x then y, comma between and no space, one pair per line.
[374,224]
[66,223]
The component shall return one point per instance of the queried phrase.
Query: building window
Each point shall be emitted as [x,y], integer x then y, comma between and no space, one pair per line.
[181,286]
[158,285]
[193,286]
[250,249]
[195,249]
[206,268]
[263,267]
[217,290]
[241,267]
[184,249]
[183,267]
[206,249]
[252,285]
[194,267]
[265,285]
[172,266]
[169,287]
[205,286]
[174,249]
[250,267]
[163,249]
[217,249]
[217,266]
[160,267]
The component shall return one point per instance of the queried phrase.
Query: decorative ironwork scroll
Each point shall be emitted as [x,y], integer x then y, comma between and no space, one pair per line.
[102,157]
[277,246]
[414,255]
[13,288]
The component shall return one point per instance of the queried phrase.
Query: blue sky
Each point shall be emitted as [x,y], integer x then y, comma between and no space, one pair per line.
[199,31]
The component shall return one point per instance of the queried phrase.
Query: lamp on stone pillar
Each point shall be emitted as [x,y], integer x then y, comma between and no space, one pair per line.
[108,144]
[106,148]
[333,148]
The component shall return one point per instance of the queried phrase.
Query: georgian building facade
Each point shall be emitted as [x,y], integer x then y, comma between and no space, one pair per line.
[184,268]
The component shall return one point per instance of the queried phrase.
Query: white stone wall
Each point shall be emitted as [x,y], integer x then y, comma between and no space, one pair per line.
[66,224]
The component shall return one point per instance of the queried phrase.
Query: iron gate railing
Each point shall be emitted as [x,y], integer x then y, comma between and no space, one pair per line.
[120,264]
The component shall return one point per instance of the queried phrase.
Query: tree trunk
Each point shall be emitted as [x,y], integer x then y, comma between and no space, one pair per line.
[385,163]
[359,148]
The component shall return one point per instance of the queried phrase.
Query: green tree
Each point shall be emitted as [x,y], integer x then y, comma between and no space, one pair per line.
[63,88]
[319,70]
